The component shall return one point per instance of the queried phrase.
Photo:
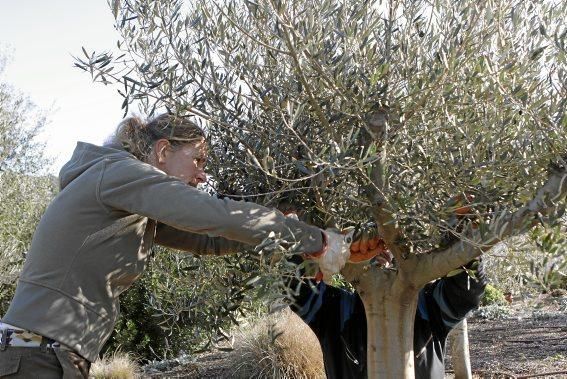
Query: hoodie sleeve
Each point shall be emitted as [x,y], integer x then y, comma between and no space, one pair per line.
[200,244]
[126,184]
[459,294]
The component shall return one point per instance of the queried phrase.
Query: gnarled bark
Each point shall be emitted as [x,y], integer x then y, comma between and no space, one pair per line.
[390,302]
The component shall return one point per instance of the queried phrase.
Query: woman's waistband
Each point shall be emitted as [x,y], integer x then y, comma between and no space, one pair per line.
[14,336]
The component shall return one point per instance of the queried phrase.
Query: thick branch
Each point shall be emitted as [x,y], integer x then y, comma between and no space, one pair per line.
[391,234]
[377,127]
[353,271]
[545,202]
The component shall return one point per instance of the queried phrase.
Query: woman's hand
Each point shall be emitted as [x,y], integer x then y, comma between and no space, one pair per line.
[336,255]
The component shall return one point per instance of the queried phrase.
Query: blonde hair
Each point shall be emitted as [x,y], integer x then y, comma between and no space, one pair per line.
[138,136]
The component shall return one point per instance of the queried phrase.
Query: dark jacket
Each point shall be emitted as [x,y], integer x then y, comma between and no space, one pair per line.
[338,320]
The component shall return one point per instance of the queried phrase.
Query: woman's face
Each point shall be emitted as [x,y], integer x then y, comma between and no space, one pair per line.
[186,162]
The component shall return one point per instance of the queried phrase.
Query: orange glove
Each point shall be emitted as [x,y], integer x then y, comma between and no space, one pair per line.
[462,203]
[367,245]
[365,249]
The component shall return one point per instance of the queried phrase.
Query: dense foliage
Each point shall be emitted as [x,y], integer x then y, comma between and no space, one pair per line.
[473,96]
[181,304]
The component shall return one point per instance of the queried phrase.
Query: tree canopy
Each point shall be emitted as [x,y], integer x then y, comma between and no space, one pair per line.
[293,92]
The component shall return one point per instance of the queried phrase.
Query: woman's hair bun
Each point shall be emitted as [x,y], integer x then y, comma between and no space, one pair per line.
[137,136]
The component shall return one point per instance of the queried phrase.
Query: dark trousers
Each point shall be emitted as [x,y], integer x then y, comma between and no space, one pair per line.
[47,363]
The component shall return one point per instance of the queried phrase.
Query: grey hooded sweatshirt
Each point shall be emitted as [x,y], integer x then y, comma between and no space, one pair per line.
[95,237]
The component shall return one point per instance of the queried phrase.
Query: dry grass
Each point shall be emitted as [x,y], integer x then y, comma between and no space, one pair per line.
[278,346]
[117,366]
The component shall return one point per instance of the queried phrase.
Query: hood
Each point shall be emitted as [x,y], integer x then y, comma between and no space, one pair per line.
[84,157]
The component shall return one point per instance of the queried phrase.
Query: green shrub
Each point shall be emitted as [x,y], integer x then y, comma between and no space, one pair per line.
[185,304]
[493,296]
[533,263]
[182,304]
[22,202]
[548,267]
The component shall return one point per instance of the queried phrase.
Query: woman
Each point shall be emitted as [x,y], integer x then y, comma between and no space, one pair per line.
[94,239]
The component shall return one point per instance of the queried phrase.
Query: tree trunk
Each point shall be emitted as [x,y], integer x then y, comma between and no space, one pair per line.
[390,302]
[390,336]
[459,341]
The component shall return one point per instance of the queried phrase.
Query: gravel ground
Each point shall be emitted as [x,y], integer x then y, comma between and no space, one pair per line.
[526,339]
[523,340]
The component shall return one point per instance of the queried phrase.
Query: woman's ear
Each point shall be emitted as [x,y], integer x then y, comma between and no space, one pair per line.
[160,148]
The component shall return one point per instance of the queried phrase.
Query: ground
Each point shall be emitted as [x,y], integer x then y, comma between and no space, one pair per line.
[516,348]
[525,339]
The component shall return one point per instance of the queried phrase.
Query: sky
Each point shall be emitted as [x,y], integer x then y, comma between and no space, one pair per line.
[41,37]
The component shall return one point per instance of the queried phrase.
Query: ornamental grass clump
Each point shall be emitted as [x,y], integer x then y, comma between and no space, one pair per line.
[116,366]
[278,346]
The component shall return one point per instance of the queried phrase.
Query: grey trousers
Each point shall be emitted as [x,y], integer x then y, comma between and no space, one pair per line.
[33,362]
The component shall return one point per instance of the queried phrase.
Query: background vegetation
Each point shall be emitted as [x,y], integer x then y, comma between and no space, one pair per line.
[532,264]
[25,188]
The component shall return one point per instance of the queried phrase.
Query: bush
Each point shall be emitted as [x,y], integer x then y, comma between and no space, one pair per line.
[548,267]
[22,202]
[493,312]
[185,304]
[25,189]
[182,304]
[493,296]
[534,263]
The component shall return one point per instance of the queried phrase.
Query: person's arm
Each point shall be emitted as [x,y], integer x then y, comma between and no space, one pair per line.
[200,244]
[135,187]
[455,296]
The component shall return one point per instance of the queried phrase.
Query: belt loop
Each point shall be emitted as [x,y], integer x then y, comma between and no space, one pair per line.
[4,339]
[43,345]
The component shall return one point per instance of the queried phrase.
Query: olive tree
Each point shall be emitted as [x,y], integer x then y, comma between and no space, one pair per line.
[398,111]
